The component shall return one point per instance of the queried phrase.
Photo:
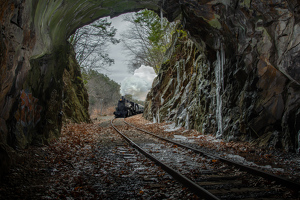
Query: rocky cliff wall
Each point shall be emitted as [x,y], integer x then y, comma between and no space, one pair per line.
[237,75]
[257,43]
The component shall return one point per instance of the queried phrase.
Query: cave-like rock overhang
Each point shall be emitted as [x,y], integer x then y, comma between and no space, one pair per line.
[56,20]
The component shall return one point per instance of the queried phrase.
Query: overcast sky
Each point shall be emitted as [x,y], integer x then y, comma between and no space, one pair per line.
[137,84]
[119,70]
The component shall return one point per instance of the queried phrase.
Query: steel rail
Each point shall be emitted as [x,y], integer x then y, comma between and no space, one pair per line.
[195,188]
[278,179]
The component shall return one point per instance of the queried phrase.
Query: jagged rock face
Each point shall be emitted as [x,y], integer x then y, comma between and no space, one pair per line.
[269,27]
[258,44]
[261,74]
[183,91]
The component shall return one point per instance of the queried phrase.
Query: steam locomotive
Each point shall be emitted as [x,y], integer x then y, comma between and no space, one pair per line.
[127,108]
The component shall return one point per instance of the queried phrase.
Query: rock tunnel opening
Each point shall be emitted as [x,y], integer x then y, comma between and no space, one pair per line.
[260,87]
[118,57]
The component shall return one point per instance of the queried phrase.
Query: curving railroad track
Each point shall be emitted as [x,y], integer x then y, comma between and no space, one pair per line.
[208,175]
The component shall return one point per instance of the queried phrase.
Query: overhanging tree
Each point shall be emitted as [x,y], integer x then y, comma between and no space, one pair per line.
[148,39]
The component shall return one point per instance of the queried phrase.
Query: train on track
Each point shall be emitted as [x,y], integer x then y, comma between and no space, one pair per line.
[127,108]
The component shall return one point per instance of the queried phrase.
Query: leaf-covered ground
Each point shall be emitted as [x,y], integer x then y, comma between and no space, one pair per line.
[88,161]
[91,161]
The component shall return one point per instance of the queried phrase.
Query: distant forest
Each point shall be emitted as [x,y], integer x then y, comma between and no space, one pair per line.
[103,93]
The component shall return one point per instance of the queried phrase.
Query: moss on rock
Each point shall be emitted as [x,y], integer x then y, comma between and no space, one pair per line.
[75,96]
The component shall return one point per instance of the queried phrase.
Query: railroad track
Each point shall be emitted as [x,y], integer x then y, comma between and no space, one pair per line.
[207,175]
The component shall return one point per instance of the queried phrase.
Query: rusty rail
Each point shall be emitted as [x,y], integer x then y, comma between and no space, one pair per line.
[196,189]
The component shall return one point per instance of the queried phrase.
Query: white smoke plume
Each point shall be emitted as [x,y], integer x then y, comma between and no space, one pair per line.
[139,84]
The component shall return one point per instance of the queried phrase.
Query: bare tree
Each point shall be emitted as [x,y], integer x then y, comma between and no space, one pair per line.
[90,43]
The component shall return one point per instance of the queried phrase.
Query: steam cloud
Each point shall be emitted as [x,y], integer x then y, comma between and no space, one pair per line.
[139,84]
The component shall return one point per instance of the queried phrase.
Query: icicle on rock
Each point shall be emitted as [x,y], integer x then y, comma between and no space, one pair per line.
[222,65]
[298,151]
[161,15]
[161,18]
[219,83]
[178,74]
[187,121]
